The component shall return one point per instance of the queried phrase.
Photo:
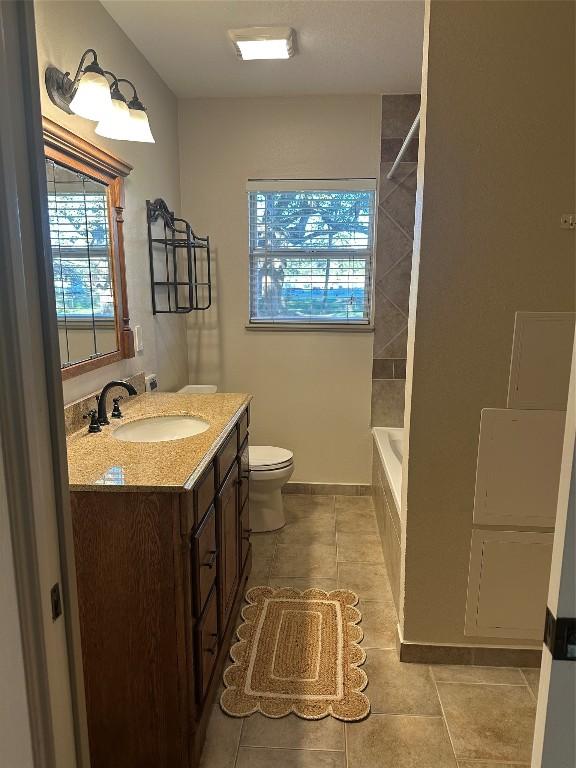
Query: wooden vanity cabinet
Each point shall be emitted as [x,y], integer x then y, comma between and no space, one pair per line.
[160,578]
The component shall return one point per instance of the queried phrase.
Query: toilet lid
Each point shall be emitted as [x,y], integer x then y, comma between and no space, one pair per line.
[269,457]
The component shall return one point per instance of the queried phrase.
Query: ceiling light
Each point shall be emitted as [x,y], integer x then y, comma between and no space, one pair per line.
[263,42]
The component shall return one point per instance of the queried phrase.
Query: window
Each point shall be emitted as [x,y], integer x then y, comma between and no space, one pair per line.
[311,252]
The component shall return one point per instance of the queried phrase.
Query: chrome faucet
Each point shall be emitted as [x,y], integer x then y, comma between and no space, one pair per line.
[102,416]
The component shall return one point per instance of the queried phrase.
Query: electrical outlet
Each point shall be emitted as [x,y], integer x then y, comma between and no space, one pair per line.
[568,221]
[138,341]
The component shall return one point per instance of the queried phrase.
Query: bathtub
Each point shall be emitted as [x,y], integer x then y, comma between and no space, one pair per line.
[390,444]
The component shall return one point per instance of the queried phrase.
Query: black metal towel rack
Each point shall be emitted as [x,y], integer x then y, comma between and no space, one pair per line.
[176,252]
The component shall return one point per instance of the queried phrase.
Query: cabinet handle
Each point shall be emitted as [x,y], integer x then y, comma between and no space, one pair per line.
[212,650]
[211,561]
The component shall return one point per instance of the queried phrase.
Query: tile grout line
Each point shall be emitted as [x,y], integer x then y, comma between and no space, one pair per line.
[239,742]
[534,696]
[444,716]
[476,682]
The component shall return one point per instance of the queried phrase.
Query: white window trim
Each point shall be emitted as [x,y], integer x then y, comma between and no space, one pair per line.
[299,185]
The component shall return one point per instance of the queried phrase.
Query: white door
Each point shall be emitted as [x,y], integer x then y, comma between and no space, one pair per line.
[555,733]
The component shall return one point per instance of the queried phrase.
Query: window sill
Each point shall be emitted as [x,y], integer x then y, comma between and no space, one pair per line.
[310,327]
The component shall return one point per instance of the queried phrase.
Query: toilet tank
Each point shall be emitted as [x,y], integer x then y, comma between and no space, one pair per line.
[198,389]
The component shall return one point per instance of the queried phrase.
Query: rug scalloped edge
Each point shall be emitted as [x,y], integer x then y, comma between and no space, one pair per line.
[293,708]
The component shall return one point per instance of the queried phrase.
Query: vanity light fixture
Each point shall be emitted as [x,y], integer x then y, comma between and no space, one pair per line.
[92,96]
[263,42]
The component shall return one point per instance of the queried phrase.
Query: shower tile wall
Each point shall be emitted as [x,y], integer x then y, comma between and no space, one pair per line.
[393,261]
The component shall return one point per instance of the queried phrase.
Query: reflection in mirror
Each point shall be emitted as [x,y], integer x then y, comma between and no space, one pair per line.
[78,208]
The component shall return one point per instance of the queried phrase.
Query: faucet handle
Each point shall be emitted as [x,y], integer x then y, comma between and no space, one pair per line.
[116,412]
[93,416]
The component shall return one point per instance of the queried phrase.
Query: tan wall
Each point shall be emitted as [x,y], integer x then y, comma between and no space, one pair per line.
[499,170]
[311,390]
[64,31]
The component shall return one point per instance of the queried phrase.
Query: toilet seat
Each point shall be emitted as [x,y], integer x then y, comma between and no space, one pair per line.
[266,458]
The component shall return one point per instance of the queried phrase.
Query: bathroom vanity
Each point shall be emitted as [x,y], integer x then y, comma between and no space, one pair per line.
[162,549]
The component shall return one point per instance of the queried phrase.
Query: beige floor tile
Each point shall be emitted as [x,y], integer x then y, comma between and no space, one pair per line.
[354,504]
[263,548]
[368,580]
[468,674]
[359,548]
[222,739]
[387,741]
[489,722]
[356,520]
[259,757]
[379,624]
[397,688]
[532,677]
[306,506]
[293,733]
[320,530]
[314,560]
[305,583]
[259,576]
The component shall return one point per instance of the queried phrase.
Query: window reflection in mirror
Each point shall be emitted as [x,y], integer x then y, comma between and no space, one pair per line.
[78,209]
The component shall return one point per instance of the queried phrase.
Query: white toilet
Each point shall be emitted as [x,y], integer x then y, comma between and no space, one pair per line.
[270,469]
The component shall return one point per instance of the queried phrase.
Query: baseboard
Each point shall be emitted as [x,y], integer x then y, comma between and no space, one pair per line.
[473,655]
[329,489]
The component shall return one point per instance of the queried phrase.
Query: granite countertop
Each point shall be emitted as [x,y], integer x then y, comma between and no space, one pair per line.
[100,462]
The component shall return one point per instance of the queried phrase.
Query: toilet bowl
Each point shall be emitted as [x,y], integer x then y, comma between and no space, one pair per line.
[270,469]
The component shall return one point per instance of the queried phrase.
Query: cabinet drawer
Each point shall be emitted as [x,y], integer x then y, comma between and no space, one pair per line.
[243,427]
[226,456]
[204,561]
[245,531]
[244,464]
[206,646]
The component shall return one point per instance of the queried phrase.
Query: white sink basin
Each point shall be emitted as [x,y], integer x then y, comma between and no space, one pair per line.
[158,429]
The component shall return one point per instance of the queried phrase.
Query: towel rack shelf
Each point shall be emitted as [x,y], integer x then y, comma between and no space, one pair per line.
[181,258]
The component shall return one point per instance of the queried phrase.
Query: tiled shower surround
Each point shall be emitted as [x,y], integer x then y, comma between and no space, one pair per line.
[393,261]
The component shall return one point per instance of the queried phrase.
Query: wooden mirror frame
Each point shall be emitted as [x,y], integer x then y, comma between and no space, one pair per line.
[71,151]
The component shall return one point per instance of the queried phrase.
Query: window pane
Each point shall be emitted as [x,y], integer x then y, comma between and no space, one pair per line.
[311,256]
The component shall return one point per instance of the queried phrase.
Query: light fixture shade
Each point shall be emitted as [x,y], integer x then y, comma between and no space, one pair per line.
[92,98]
[139,129]
[263,42]
[116,122]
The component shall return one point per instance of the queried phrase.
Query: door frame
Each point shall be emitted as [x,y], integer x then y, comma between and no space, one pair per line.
[32,431]
[554,742]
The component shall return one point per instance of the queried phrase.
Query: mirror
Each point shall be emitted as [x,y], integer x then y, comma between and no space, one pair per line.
[81,258]
[85,214]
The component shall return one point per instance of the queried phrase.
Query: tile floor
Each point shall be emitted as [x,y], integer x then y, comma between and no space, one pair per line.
[422,716]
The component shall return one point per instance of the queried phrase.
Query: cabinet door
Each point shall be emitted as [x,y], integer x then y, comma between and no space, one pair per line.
[204,555]
[244,473]
[508,584]
[245,531]
[228,521]
[206,646]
